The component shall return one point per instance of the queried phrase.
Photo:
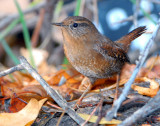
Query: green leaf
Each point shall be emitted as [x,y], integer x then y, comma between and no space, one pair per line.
[8,29]
[58,7]
[65,61]
[78,5]
[4,43]
[9,52]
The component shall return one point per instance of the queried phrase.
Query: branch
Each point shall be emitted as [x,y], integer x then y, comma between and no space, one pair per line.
[113,112]
[53,93]
[11,70]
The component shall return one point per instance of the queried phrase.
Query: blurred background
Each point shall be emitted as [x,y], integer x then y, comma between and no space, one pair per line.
[25,27]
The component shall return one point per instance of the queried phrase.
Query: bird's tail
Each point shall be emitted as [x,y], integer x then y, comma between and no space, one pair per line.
[126,40]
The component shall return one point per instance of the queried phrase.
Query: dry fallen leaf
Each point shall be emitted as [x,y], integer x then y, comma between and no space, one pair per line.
[156,69]
[39,55]
[54,80]
[146,125]
[129,68]
[151,91]
[154,60]
[27,114]
[15,105]
[94,118]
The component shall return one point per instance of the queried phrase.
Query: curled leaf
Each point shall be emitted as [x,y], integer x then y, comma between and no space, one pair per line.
[27,114]
[151,91]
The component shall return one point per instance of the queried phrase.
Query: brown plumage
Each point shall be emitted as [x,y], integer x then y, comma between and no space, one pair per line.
[91,53]
[126,40]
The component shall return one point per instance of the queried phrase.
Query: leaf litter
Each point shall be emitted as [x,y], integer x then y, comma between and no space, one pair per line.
[70,84]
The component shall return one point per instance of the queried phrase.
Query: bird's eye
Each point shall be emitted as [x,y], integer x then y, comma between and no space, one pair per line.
[75,25]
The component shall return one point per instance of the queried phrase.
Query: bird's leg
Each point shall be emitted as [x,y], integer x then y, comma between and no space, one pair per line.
[117,87]
[84,93]
[90,82]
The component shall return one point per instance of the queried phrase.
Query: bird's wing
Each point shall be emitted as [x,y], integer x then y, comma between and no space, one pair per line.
[112,50]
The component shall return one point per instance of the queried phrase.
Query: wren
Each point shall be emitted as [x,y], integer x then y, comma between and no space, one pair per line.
[91,53]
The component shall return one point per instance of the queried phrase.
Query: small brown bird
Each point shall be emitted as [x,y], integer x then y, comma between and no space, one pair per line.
[92,54]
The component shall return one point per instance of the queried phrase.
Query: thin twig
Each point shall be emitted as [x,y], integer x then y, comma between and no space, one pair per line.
[113,112]
[54,106]
[130,18]
[100,116]
[53,93]
[60,118]
[11,70]
[94,110]
[37,29]
[51,110]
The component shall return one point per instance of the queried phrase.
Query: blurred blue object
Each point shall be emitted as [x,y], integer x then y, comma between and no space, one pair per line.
[113,11]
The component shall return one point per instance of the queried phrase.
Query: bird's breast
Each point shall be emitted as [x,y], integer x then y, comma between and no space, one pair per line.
[90,63]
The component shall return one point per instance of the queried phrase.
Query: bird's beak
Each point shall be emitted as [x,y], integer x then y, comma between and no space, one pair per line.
[58,24]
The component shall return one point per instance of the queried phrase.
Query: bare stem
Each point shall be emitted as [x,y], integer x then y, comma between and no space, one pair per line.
[11,70]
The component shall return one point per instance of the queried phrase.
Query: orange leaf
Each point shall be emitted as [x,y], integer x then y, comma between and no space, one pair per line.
[16,105]
[129,68]
[151,91]
[57,77]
